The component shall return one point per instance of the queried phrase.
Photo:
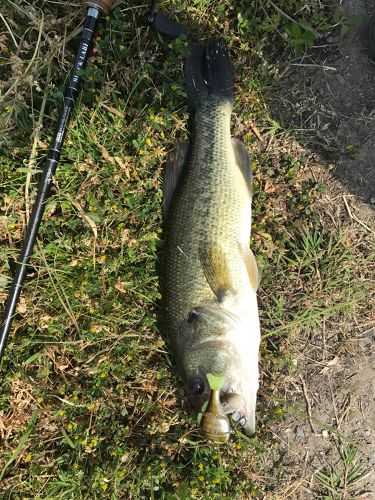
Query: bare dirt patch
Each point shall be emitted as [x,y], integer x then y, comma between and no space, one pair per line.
[329,96]
[331,91]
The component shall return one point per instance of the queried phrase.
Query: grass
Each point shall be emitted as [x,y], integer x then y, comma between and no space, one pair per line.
[90,403]
[340,481]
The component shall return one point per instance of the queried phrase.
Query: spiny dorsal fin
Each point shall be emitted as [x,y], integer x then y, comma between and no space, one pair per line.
[243,161]
[251,265]
[174,165]
[216,270]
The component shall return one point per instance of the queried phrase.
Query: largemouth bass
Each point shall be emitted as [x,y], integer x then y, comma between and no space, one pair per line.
[210,276]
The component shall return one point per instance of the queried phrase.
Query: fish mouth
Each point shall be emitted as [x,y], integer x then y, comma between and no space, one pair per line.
[233,405]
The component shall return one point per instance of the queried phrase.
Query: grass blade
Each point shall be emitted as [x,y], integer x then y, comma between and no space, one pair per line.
[22,442]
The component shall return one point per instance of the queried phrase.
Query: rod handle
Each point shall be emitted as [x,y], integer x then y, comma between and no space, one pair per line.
[105,6]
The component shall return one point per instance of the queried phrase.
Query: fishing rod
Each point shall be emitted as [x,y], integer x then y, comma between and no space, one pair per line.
[95,10]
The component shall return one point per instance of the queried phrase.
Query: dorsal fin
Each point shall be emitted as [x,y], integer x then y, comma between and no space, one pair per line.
[243,161]
[174,165]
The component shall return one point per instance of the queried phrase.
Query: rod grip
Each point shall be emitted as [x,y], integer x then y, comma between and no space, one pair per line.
[105,6]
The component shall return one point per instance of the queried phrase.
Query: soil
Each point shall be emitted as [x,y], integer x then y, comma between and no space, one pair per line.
[331,93]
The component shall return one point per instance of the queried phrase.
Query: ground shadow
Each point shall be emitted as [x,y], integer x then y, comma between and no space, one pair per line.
[331,91]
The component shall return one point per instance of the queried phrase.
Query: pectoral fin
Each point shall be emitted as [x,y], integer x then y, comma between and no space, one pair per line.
[251,265]
[174,165]
[216,270]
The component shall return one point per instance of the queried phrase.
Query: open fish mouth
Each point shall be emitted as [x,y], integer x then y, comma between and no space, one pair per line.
[233,405]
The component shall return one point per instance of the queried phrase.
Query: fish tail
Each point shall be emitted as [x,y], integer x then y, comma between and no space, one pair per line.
[208,73]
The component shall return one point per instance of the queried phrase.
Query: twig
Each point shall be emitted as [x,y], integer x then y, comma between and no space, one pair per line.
[255,130]
[322,66]
[9,29]
[354,217]
[334,403]
[308,405]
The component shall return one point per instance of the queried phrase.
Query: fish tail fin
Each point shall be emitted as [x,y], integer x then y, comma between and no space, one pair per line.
[208,73]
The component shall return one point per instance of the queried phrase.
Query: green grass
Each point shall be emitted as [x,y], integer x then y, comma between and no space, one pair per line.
[341,480]
[90,399]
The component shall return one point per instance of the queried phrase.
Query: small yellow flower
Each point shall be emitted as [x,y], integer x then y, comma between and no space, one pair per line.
[61,413]
[152,117]
[200,466]
[238,446]
[174,86]
[5,50]
[216,481]
[104,486]
[70,426]
[201,478]
[84,283]
[102,258]
[103,375]
[148,141]
[75,466]
[28,457]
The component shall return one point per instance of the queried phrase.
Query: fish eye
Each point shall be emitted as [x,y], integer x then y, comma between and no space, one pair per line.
[194,314]
[196,386]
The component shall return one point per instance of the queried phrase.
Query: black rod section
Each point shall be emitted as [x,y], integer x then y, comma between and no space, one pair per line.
[92,19]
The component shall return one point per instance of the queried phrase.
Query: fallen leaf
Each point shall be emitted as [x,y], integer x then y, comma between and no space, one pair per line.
[329,364]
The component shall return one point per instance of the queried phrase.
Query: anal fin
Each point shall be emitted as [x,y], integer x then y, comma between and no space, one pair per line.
[251,265]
